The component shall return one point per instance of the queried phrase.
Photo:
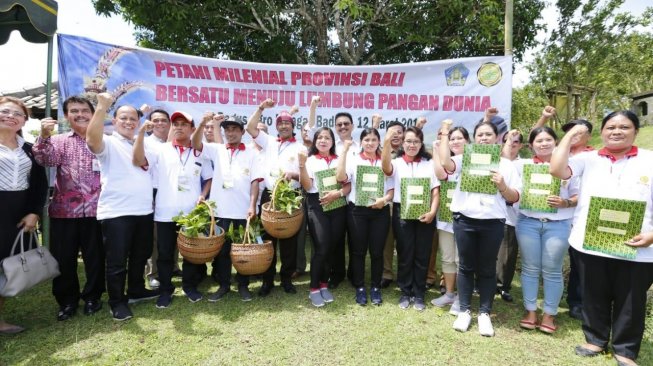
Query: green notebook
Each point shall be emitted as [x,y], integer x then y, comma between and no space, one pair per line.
[610,223]
[538,184]
[370,183]
[415,197]
[478,161]
[326,181]
[447,189]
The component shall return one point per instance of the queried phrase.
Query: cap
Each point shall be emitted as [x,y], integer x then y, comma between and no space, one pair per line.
[183,115]
[285,116]
[233,120]
[569,125]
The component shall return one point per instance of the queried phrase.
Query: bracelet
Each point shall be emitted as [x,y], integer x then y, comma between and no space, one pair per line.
[568,201]
[500,191]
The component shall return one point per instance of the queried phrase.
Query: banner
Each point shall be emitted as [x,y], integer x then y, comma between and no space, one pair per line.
[459,89]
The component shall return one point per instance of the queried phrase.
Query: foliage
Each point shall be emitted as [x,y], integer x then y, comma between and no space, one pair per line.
[597,47]
[527,105]
[197,221]
[238,235]
[349,32]
[285,197]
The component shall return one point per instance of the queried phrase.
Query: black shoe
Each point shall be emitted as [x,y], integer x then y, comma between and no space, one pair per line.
[333,284]
[144,295]
[218,295]
[266,288]
[121,312]
[288,287]
[164,300]
[385,283]
[177,273]
[245,294]
[361,296]
[506,296]
[192,294]
[576,312]
[586,352]
[92,306]
[66,312]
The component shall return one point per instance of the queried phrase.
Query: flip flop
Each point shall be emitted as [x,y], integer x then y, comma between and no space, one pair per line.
[548,329]
[527,324]
[12,329]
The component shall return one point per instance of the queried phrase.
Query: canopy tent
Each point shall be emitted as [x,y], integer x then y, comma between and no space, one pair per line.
[36,20]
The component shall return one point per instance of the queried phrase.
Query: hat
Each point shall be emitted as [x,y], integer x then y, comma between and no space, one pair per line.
[569,125]
[285,116]
[233,120]
[183,115]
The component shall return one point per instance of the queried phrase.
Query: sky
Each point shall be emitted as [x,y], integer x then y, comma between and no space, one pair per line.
[24,64]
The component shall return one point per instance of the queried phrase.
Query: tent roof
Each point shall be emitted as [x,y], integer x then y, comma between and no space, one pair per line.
[35,19]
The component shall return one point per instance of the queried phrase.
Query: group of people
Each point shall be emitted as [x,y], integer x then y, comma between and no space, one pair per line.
[115,195]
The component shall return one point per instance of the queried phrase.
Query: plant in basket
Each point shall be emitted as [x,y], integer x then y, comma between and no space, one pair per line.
[250,255]
[285,197]
[198,221]
[283,215]
[198,241]
[239,236]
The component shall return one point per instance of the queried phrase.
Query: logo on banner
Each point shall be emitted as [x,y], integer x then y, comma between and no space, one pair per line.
[489,74]
[456,75]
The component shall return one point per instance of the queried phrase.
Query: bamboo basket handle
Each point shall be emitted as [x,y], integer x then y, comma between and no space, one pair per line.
[212,229]
[248,239]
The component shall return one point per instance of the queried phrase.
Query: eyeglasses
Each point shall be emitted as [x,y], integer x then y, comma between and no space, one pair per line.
[9,112]
[343,124]
[413,142]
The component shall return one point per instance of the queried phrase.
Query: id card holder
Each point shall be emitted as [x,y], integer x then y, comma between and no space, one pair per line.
[228,181]
[183,183]
[95,164]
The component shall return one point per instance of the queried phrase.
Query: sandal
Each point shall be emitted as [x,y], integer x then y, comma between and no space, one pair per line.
[548,329]
[527,324]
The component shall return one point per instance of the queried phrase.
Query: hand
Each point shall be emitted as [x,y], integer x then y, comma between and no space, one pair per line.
[641,240]
[376,120]
[218,119]
[251,213]
[427,218]
[290,176]
[389,135]
[329,197]
[498,181]
[104,100]
[421,121]
[577,131]
[556,201]
[378,204]
[145,109]
[207,116]
[347,144]
[301,157]
[548,112]
[28,223]
[200,199]
[513,135]
[146,127]
[489,113]
[446,126]
[294,110]
[47,127]
[268,103]
[315,101]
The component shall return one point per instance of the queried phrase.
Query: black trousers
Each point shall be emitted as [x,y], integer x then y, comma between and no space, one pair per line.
[414,242]
[574,287]
[166,243]
[507,259]
[327,229]
[128,245]
[614,301]
[67,238]
[478,243]
[287,252]
[222,262]
[369,229]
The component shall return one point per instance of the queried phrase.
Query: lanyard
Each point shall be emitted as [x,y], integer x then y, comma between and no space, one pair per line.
[183,163]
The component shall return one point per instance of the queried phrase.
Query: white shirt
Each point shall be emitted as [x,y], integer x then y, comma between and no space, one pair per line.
[629,178]
[279,156]
[402,169]
[15,167]
[152,144]
[126,189]
[232,179]
[353,162]
[314,165]
[178,178]
[484,206]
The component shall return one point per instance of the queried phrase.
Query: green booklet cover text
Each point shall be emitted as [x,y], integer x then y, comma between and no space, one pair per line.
[538,184]
[610,223]
[447,189]
[415,197]
[326,181]
[369,184]
[478,162]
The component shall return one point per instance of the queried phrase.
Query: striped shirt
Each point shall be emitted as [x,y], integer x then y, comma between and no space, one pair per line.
[15,167]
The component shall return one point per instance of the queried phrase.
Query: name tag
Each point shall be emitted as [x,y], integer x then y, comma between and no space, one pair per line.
[95,164]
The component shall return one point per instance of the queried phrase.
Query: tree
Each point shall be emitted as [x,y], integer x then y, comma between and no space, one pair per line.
[599,48]
[351,32]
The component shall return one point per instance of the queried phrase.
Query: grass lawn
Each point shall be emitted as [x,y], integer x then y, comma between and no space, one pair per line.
[284,330]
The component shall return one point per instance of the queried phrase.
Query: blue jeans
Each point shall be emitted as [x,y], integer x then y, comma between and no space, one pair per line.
[543,246]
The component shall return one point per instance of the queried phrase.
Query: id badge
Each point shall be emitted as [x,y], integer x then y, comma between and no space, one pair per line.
[95,164]
[228,181]
[183,183]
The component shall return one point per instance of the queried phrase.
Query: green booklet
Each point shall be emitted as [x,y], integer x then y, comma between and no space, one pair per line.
[447,189]
[415,197]
[326,181]
[538,184]
[610,223]
[478,161]
[370,183]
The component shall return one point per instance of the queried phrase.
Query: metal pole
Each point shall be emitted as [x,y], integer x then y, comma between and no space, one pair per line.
[48,112]
[508,29]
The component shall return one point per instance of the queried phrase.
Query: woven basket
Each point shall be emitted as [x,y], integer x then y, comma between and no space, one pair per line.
[201,250]
[251,259]
[280,224]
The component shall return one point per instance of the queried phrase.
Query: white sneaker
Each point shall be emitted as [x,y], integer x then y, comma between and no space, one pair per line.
[154,283]
[443,300]
[462,321]
[455,307]
[485,325]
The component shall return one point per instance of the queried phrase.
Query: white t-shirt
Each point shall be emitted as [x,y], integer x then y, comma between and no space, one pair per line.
[630,178]
[280,156]
[484,206]
[353,162]
[179,177]
[126,189]
[314,165]
[415,169]
[232,179]
[152,144]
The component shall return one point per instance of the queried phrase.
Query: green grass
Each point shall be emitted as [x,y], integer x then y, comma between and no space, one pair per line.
[283,330]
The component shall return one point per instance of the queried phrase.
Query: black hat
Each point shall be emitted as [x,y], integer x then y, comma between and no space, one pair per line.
[233,120]
[569,125]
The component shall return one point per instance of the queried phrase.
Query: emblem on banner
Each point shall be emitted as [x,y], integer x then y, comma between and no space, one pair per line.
[456,75]
[489,74]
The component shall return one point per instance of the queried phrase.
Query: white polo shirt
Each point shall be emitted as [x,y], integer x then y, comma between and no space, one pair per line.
[232,178]
[353,162]
[568,188]
[484,206]
[414,169]
[179,175]
[279,156]
[152,144]
[314,165]
[126,189]
[629,178]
